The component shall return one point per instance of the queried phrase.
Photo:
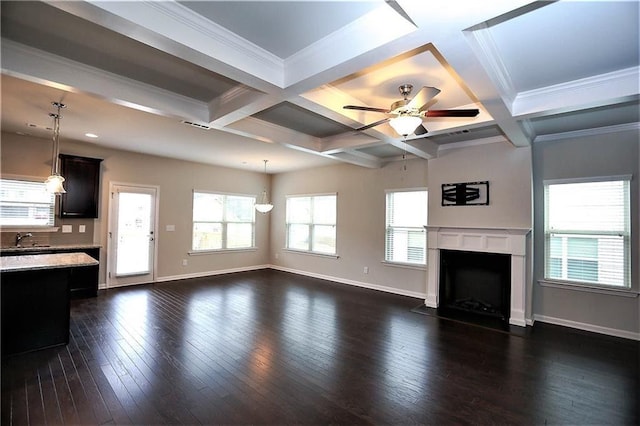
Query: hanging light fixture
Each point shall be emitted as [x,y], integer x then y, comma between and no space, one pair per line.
[404,125]
[264,206]
[54,182]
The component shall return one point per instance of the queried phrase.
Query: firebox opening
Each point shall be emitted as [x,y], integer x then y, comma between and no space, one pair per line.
[475,286]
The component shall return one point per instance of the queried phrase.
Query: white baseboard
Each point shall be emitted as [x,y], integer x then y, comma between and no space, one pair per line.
[588,327]
[370,286]
[103,286]
[210,273]
[417,295]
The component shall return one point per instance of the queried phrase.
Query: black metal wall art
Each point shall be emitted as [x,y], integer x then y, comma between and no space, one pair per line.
[465,194]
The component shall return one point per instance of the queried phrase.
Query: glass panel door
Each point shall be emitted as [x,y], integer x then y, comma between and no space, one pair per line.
[131,235]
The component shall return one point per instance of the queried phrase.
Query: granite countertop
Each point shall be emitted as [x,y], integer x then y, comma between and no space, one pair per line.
[14,249]
[45,261]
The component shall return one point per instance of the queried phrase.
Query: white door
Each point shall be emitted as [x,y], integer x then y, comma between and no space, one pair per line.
[132,235]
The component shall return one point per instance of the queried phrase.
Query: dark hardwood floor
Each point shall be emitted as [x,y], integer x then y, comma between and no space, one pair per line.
[269,347]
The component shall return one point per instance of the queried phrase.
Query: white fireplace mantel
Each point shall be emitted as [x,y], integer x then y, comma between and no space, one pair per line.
[511,241]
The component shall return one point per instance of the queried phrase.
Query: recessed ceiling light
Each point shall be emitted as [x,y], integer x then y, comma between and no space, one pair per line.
[91,135]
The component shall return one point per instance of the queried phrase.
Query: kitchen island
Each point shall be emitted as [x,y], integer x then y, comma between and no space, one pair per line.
[35,299]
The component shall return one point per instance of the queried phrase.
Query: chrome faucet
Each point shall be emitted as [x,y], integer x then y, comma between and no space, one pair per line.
[20,237]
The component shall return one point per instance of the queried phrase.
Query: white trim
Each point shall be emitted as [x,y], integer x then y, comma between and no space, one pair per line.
[597,90]
[418,189]
[597,131]
[571,285]
[311,253]
[23,228]
[474,142]
[210,273]
[338,280]
[416,266]
[588,327]
[213,191]
[204,252]
[320,194]
[111,223]
[590,179]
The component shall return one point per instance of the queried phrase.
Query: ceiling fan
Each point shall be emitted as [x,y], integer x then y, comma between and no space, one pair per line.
[407,114]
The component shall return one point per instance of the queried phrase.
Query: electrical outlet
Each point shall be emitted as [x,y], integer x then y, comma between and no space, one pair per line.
[66,229]
[82,228]
[185,262]
[277,255]
[366,270]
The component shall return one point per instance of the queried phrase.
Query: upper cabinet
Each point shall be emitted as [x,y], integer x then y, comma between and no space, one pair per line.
[82,183]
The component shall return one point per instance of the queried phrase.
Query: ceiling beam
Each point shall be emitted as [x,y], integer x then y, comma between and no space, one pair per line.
[45,68]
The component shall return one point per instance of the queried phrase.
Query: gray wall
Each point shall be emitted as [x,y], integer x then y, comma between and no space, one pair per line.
[361,213]
[603,155]
[360,224]
[508,171]
[24,155]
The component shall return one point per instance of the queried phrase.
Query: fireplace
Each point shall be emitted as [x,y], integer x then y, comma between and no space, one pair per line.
[513,243]
[475,285]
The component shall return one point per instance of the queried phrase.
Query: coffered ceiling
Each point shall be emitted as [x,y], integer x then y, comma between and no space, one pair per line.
[269,79]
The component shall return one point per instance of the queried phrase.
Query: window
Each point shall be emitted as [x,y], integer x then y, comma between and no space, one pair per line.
[587,232]
[25,203]
[222,222]
[406,238]
[311,223]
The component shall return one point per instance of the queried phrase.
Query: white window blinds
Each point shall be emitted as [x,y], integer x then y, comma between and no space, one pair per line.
[25,203]
[406,217]
[587,232]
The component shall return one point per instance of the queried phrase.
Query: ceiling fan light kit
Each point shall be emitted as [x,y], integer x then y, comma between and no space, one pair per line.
[407,114]
[404,125]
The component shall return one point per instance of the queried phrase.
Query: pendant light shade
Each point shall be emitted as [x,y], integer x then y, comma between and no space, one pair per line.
[404,125]
[264,206]
[54,182]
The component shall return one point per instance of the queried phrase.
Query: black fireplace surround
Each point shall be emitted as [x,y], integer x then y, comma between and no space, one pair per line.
[475,285]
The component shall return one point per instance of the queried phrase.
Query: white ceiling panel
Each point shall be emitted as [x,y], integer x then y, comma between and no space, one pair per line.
[270,78]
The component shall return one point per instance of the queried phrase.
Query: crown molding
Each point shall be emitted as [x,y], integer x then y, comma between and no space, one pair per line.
[490,58]
[597,131]
[353,40]
[593,91]
[475,142]
[176,22]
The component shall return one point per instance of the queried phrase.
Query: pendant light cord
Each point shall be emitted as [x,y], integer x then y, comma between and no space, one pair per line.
[56,138]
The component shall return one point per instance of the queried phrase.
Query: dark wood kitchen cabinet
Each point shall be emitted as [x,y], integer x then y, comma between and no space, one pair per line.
[83,282]
[82,183]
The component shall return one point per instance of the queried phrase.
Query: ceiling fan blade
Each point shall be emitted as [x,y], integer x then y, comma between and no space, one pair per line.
[377,123]
[452,113]
[422,97]
[362,108]
[420,130]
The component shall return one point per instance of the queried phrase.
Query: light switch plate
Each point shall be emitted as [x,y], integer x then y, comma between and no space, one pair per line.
[82,228]
[170,228]
[66,229]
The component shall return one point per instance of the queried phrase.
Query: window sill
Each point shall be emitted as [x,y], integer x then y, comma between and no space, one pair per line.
[205,252]
[311,253]
[23,228]
[570,285]
[404,265]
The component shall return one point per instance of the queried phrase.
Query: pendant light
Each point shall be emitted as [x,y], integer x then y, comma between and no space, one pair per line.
[264,206]
[54,182]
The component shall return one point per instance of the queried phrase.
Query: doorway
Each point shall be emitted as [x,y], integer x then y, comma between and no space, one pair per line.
[132,234]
